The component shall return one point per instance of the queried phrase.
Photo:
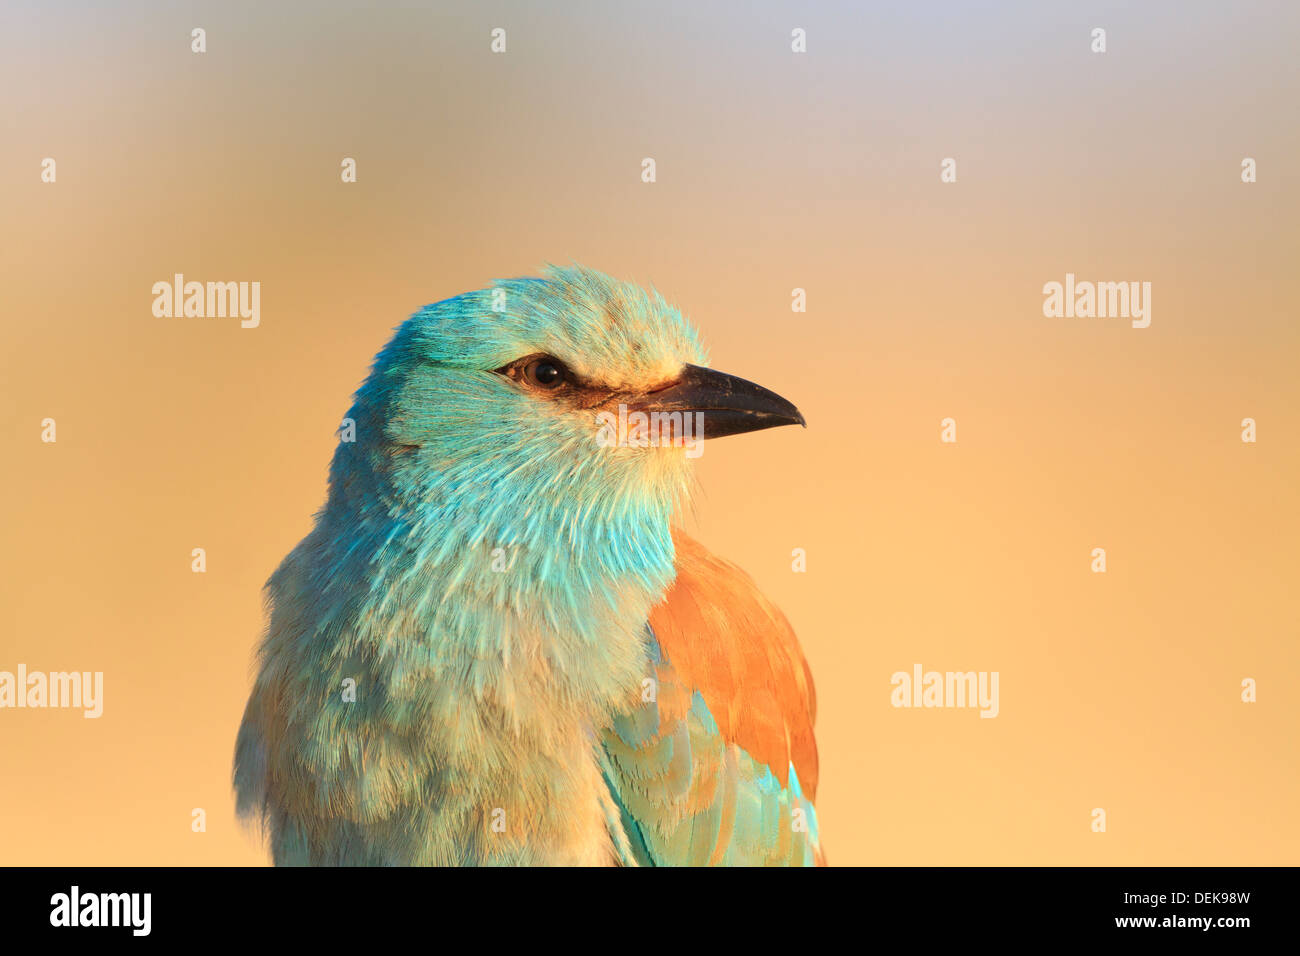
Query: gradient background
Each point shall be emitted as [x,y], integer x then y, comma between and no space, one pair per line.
[775,170]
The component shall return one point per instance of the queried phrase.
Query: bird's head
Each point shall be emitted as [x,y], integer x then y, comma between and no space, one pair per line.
[542,412]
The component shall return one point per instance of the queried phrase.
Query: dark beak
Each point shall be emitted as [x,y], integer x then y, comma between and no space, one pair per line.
[730,405]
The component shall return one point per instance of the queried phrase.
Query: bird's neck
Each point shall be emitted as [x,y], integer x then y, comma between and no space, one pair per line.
[498,664]
[495,622]
[503,586]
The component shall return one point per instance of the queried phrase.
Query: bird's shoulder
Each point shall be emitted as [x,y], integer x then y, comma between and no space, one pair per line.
[719,763]
[727,640]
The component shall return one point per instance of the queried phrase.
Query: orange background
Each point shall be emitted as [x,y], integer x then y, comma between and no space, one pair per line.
[775,171]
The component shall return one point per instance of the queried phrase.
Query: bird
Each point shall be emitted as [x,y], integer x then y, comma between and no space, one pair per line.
[496,646]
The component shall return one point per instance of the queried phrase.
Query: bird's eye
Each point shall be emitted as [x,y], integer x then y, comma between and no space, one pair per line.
[544,373]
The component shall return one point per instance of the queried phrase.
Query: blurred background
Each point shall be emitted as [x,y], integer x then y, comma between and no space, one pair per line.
[775,171]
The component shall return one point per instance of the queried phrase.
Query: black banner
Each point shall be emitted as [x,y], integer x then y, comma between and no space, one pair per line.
[1153,906]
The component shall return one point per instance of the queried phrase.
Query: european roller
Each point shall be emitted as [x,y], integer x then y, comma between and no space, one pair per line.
[494,647]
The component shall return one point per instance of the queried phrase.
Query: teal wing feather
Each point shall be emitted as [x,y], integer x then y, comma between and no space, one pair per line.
[688,797]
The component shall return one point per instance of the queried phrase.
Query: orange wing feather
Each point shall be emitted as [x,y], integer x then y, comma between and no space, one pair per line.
[727,641]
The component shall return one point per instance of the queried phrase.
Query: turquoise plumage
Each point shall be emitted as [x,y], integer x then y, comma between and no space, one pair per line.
[473,657]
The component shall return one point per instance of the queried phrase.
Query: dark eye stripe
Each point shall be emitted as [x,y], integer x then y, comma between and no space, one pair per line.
[564,385]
